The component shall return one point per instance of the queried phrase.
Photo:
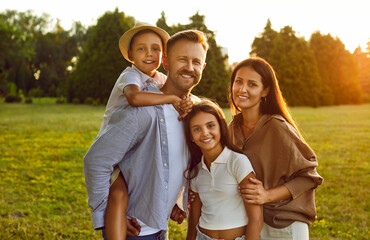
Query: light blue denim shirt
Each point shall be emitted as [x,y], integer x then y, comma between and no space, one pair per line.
[136,140]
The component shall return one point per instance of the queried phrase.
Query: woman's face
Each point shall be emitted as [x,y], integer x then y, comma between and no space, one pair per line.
[248,89]
[206,132]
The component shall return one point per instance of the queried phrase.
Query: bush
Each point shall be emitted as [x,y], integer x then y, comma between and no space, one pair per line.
[11,98]
[89,101]
[76,101]
[28,100]
[60,101]
[35,92]
[96,102]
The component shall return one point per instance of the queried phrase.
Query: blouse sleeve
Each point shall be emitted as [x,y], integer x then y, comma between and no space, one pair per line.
[301,172]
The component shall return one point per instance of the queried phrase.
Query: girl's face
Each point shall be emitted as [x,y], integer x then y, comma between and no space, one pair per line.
[205,132]
[248,89]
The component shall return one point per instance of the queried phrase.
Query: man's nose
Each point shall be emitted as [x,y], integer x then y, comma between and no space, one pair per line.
[189,66]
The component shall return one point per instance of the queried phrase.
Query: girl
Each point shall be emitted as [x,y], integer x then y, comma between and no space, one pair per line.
[218,211]
[285,165]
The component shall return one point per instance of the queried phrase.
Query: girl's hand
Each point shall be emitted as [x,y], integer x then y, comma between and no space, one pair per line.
[185,105]
[254,192]
[133,227]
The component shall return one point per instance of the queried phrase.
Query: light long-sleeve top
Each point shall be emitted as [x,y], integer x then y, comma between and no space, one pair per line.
[280,157]
[135,139]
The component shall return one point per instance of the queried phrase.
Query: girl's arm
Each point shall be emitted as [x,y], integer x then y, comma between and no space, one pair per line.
[253,192]
[254,213]
[194,215]
[138,98]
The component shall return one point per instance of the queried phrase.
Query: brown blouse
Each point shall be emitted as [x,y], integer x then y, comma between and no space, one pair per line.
[279,156]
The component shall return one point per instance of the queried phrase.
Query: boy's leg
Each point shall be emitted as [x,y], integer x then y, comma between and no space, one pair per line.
[115,218]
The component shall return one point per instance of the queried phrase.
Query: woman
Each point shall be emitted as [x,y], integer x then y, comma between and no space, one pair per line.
[285,165]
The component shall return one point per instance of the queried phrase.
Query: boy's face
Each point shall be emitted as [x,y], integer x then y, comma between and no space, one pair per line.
[146,52]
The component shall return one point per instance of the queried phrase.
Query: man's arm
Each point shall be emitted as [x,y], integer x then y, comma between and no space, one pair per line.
[106,152]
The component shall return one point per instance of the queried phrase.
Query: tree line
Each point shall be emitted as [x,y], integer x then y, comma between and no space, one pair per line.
[82,64]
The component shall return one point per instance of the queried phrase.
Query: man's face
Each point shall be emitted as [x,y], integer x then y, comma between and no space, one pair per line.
[185,63]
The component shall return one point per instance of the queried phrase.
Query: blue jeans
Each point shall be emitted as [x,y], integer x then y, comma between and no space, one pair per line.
[161,235]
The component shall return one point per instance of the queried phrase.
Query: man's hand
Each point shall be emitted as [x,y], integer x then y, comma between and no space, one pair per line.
[177,214]
[133,227]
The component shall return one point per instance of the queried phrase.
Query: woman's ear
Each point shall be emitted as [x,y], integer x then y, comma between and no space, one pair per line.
[265,91]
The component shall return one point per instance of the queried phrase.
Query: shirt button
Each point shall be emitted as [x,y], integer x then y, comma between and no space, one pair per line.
[161,120]
[166,187]
[165,164]
[164,142]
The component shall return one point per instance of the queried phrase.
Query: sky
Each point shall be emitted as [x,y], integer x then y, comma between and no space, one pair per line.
[235,22]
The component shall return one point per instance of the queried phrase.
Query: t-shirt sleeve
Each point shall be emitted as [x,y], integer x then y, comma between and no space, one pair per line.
[193,185]
[128,78]
[241,167]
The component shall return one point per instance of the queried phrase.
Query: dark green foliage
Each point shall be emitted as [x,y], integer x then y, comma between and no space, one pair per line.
[101,61]
[28,100]
[320,72]
[11,98]
[337,68]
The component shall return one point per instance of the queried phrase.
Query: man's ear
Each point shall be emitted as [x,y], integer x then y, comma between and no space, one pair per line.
[165,62]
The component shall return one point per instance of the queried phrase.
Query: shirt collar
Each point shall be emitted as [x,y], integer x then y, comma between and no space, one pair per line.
[144,78]
[222,158]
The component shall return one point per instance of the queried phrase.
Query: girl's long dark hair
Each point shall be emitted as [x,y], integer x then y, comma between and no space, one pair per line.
[207,106]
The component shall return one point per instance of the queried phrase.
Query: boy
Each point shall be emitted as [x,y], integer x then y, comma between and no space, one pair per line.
[143,46]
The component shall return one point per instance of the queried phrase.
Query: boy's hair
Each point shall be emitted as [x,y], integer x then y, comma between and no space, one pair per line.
[192,35]
[207,106]
[143,32]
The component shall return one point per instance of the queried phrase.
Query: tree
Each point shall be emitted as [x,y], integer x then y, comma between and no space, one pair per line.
[337,68]
[263,45]
[100,62]
[55,51]
[363,63]
[293,62]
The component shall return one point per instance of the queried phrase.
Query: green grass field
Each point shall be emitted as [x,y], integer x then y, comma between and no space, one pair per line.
[43,195]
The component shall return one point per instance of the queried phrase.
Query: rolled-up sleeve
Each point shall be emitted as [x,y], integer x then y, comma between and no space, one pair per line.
[106,152]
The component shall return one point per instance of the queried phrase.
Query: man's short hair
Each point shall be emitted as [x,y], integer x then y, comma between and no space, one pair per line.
[192,35]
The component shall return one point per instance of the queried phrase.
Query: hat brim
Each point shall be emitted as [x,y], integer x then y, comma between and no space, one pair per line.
[125,39]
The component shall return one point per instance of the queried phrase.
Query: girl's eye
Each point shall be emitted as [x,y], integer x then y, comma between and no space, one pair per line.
[252,84]
[211,125]
[238,81]
[196,129]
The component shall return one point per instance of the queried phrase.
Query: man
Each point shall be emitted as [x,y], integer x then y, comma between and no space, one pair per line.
[148,144]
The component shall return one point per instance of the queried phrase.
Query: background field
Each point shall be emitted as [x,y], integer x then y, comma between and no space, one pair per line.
[42,191]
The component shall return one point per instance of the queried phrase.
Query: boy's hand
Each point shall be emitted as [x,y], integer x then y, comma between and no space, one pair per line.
[177,214]
[185,106]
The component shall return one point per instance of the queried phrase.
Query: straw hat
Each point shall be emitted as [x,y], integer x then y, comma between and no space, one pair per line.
[124,41]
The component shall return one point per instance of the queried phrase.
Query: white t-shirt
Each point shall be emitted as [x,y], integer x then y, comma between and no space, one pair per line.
[131,75]
[222,205]
[178,155]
